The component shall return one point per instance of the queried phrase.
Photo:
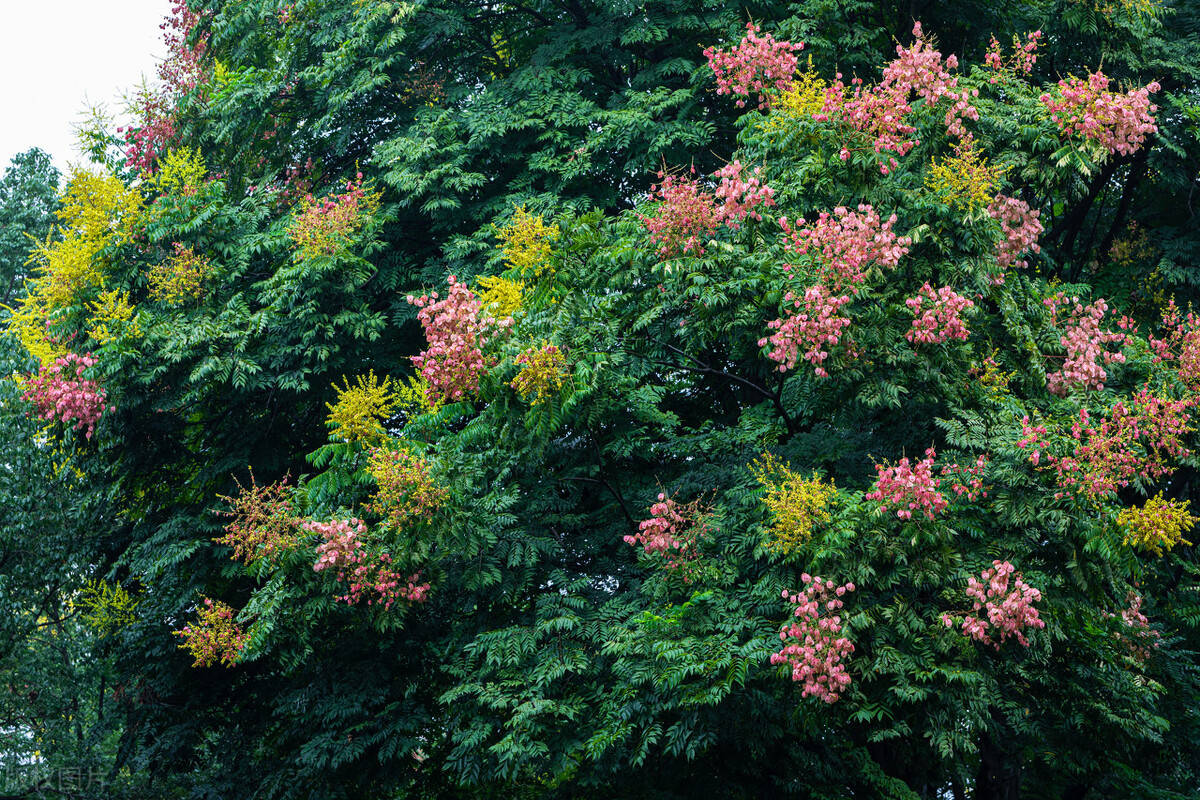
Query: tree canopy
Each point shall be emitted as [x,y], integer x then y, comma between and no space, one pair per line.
[569,399]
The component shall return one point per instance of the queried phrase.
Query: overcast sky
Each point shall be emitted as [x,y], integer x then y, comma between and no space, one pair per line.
[57,56]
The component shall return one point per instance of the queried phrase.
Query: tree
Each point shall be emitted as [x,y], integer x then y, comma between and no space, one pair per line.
[543,538]
[27,202]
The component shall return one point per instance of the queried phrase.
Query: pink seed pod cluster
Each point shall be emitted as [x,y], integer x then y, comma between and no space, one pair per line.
[688,214]
[880,115]
[673,532]
[813,646]
[60,392]
[1019,229]
[342,547]
[1180,343]
[758,64]
[809,332]
[1141,637]
[919,69]
[327,225]
[881,112]
[1007,605]
[369,576]
[180,74]
[845,242]
[938,315]
[376,582]
[908,487]
[215,637]
[1023,58]
[686,217]
[1086,345]
[740,194]
[1117,121]
[454,328]
[966,482]
[1033,436]
[841,245]
[1143,439]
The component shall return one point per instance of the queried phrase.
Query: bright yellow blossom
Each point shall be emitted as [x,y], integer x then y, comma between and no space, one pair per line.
[412,397]
[113,316]
[180,172]
[805,97]
[360,409]
[1158,525]
[526,242]
[500,297]
[965,179]
[97,211]
[180,277]
[798,505]
[106,608]
[543,371]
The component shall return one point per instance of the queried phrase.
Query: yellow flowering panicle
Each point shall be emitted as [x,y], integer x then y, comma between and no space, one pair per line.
[360,410]
[965,178]
[407,491]
[96,211]
[1133,248]
[1158,525]
[1126,8]
[98,208]
[69,267]
[805,97]
[413,399]
[113,317]
[180,277]
[106,608]
[221,75]
[526,243]
[500,297]
[798,505]
[989,375]
[180,172]
[543,371]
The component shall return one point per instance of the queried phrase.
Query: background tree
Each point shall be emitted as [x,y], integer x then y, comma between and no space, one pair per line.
[28,193]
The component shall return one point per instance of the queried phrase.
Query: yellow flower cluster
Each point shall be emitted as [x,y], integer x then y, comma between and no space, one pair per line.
[1133,248]
[113,317]
[412,397]
[543,371]
[1158,525]
[180,172]
[97,211]
[805,97]
[989,375]
[180,277]
[98,208]
[1127,8]
[798,505]
[526,243]
[965,178]
[360,410]
[407,491]
[500,297]
[106,608]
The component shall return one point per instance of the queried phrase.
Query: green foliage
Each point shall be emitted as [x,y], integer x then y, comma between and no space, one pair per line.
[551,658]
[28,200]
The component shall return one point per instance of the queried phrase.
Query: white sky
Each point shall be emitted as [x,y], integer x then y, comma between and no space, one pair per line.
[59,56]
